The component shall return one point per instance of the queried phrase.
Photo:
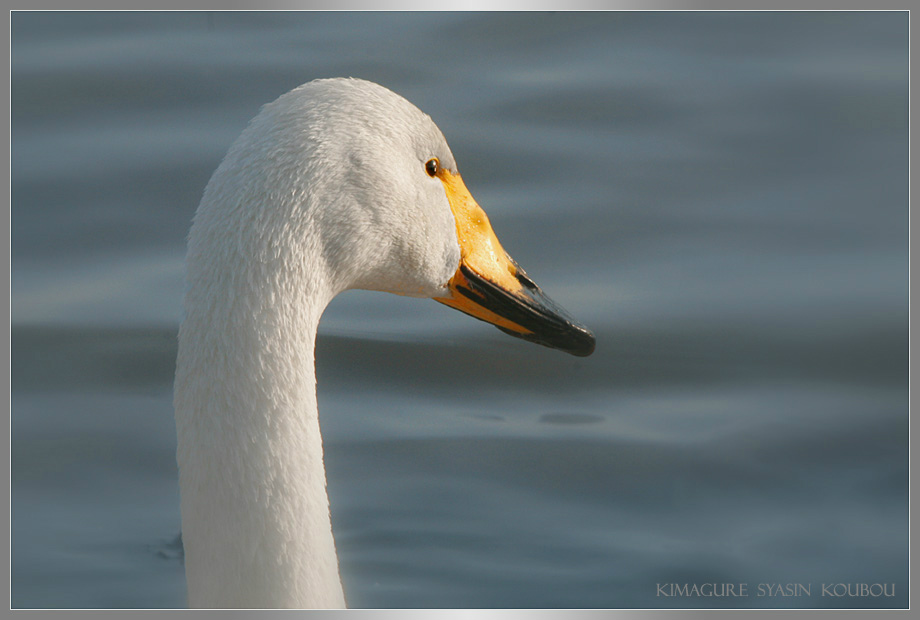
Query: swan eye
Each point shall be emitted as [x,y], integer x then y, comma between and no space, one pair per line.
[432,166]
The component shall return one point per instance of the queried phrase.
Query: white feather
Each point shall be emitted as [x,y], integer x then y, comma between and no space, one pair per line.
[324,191]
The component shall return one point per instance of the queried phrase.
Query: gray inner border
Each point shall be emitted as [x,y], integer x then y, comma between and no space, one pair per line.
[532,5]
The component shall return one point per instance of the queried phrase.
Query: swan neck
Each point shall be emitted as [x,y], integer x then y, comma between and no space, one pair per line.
[255,513]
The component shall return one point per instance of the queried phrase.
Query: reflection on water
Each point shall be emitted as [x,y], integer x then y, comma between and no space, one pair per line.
[722,198]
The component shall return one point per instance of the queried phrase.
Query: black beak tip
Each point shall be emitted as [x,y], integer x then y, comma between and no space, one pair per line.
[545,322]
[582,342]
[573,339]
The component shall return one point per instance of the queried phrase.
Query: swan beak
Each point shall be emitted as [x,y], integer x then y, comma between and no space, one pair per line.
[489,285]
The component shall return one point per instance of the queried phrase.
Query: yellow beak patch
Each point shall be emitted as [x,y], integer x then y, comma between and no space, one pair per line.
[480,252]
[490,286]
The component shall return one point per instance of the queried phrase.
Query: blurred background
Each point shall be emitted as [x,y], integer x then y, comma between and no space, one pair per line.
[721,197]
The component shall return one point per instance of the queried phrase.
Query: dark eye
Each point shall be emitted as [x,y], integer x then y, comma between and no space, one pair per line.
[432,166]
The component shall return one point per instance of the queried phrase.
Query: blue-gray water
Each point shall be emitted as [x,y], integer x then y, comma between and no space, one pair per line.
[721,197]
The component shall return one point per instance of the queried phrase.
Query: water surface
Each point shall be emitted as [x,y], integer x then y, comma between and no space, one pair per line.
[722,197]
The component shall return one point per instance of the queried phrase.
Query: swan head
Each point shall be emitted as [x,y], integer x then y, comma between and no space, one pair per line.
[348,181]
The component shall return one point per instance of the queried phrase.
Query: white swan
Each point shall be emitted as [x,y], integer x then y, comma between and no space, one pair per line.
[338,184]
